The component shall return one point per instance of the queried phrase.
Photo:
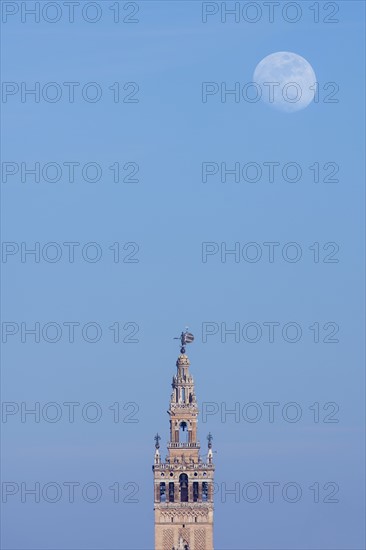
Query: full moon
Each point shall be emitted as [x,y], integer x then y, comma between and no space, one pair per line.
[287,81]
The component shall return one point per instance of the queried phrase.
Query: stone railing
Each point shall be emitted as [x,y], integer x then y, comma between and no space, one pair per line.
[173,445]
[192,405]
[184,466]
[185,504]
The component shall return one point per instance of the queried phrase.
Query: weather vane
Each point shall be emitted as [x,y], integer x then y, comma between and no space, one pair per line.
[157,439]
[185,338]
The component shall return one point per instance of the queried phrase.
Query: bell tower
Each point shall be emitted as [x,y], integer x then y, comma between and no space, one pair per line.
[183,483]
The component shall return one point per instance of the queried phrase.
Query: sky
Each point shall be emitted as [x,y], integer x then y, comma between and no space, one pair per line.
[132,244]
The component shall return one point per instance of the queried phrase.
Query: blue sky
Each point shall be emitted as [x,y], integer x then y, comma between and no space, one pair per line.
[169,213]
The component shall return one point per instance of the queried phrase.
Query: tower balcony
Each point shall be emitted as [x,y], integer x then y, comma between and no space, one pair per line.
[182,505]
[173,466]
[173,445]
[188,406]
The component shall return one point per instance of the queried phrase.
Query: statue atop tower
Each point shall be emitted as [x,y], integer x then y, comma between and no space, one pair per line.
[183,484]
[185,338]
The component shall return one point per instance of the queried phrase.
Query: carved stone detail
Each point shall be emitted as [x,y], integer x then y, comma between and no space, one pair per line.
[200,539]
[168,539]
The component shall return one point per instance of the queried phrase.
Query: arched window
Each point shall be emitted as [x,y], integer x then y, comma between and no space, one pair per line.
[183,484]
[195,491]
[183,432]
[162,492]
[171,491]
